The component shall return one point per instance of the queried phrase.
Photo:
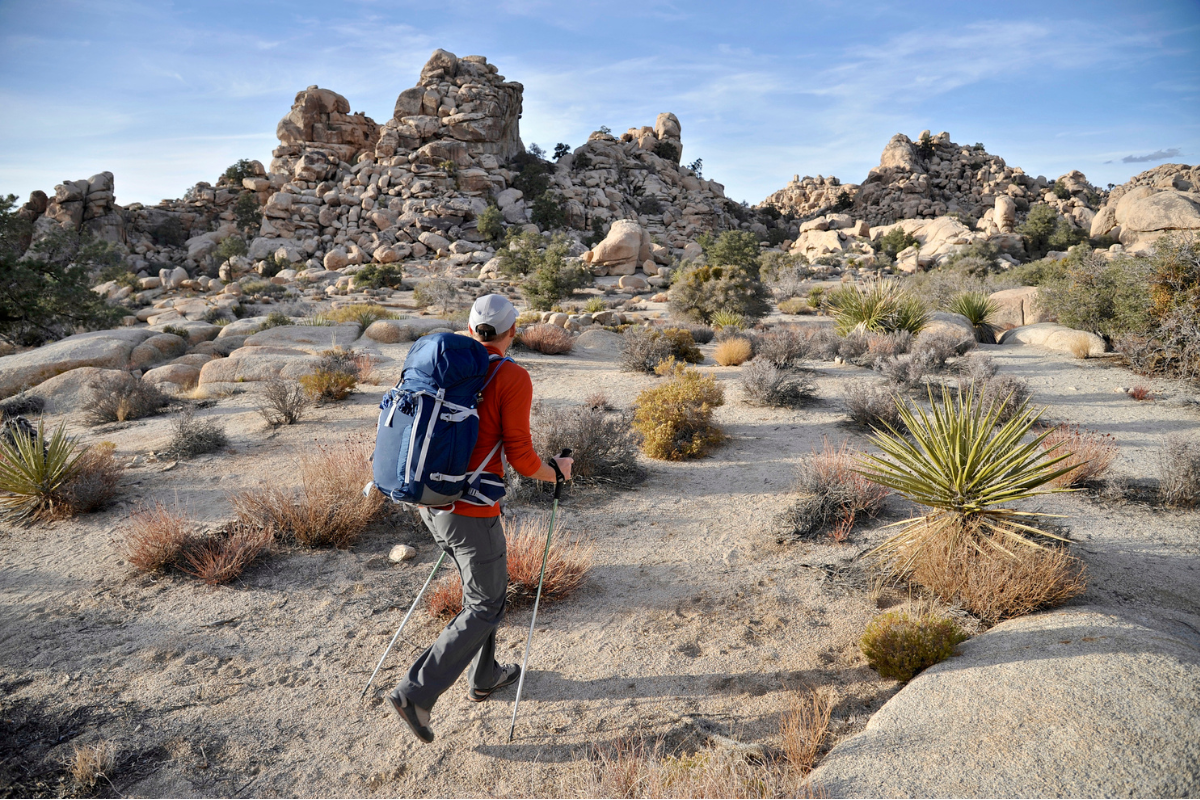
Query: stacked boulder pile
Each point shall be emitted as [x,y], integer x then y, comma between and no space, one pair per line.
[1157,201]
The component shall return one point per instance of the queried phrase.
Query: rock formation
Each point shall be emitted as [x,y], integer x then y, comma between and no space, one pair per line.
[320,131]
[1154,202]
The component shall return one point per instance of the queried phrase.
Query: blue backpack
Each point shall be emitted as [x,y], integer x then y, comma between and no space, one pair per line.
[428,426]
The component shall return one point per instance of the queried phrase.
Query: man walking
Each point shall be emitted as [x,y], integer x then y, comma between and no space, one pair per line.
[471,532]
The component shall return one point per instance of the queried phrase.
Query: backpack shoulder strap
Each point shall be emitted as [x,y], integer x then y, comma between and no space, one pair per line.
[498,361]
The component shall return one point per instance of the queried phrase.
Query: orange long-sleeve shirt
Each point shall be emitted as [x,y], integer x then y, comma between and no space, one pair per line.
[504,412]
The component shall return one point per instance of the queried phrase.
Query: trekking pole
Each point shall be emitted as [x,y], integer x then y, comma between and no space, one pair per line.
[402,624]
[558,484]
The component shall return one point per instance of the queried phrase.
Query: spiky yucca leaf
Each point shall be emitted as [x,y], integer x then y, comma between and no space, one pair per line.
[34,472]
[978,308]
[880,305]
[958,463]
[727,319]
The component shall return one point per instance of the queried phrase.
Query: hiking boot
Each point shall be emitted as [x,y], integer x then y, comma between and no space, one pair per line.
[509,674]
[414,716]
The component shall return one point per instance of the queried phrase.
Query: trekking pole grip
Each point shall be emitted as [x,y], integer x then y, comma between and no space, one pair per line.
[559,480]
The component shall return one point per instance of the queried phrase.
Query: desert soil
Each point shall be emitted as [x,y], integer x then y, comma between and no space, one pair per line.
[695,618]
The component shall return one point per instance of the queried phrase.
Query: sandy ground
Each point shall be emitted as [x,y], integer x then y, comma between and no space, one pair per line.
[694,620]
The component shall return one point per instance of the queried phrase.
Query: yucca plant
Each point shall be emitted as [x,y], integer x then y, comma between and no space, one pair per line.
[880,306]
[978,308]
[967,471]
[727,319]
[35,473]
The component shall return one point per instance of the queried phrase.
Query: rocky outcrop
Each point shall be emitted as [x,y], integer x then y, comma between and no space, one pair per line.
[1162,200]
[105,349]
[1017,307]
[1081,702]
[319,132]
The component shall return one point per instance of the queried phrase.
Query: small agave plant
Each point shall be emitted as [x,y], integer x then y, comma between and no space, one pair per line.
[35,471]
[967,471]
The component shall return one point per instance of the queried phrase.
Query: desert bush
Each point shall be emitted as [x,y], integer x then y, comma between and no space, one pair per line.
[222,557]
[548,211]
[701,334]
[872,406]
[643,349]
[283,402]
[549,339]
[176,330]
[333,377]
[1089,454]
[675,418]
[683,346]
[490,224]
[941,347]
[979,309]
[229,247]
[726,320]
[329,509]
[977,369]
[264,288]
[1008,394]
[782,347]
[35,473]
[906,371]
[898,645]
[155,537]
[879,305]
[728,282]
[765,384]
[888,345]
[1111,298]
[377,276]
[23,404]
[595,305]
[1141,394]
[831,493]
[191,437]
[97,474]
[602,442]
[967,468]
[275,319]
[733,352]
[895,240]
[1044,230]
[567,563]
[824,344]
[120,398]
[1179,471]
[362,313]
[795,305]
[240,169]
[440,292]
[91,762]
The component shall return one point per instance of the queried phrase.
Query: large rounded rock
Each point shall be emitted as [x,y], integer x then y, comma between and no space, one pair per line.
[1017,307]
[249,364]
[621,248]
[107,349]
[954,325]
[1163,211]
[72,390]
[1081,702]
[1058,338]
[602,344]
[179,376]
[309,338]
[156,350]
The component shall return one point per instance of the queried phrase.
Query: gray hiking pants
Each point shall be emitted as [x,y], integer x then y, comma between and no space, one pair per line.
[478,548]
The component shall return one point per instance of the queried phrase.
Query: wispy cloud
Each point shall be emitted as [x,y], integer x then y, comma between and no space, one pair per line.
[1157,155]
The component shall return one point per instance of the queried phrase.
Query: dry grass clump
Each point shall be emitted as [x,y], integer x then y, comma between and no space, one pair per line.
[1080,346]
[889,345]
[995,585]
[898,645]
[675,418]
[1179,471]
[871,406]
[634,767]
[192,437]
[363,313]
[222,557]
[119,398]
[1089,453]
[23,404]
[43,478]
[284,402]
[329,510]
[549,339]
[334,376]
[156,537]
[89,763]
[733,352]
[1008,393]
[1141,393]
[602,442]
[643,349]
[767,385]
[567,565]
[832,494]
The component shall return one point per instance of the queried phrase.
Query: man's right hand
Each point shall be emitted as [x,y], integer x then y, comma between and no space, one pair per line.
[564,466]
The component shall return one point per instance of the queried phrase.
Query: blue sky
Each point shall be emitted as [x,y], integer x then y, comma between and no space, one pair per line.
[166,94]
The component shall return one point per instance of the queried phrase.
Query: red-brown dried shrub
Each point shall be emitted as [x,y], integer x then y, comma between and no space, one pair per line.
[549,339]
[1141,393]
[1091,453]
[95,480]
[155,537]
[221,558]
[329,509]
[566,568]
[804,728]
[833,494]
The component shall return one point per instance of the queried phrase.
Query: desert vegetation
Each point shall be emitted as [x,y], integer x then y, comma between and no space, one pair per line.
[675,418]
[898,644]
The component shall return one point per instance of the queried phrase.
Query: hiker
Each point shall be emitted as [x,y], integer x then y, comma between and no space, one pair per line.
[471,533]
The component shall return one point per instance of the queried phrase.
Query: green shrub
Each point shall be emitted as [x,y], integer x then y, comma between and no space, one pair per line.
[700,291]
[726,318]
[667,150]
[263,288]
[550,278]
[531,178]
[362,313]
[276,319]
[375,276]
[925,146]
[979,309]
[898,645]
[675,417]
[549,211]
[683,346]
[1110,298]
[35,471]
[595,306]
[1037,273]
[247,214]
[334,376]
[794,305]
[880,306]
[46,294]
[169,233]
[732,249]
[1043,230]
[1061,191]
[490,224]
[436,291]
[896,240]
[239,170]
[231,246]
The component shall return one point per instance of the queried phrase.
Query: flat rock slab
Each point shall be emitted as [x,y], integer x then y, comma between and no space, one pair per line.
[258,364]
[69,392]
[1053,336]
[313,339]
[603,344]
[105,349]
[1079,702]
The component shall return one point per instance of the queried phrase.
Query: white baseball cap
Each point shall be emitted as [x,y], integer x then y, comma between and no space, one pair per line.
[493,310]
